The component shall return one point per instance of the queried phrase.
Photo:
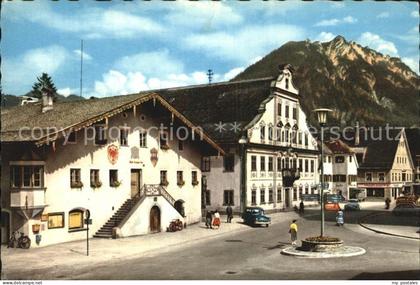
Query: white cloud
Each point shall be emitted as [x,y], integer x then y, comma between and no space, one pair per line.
[106,23]
[67,91]
[244,44]
[232,73]
[325,37]
[334,22]
[414,14]
[25,68]
[156,63]
[377,43]
[86,56]
[412,62]
[383,15]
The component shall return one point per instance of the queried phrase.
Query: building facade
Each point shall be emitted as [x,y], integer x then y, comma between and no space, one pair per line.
[107,160]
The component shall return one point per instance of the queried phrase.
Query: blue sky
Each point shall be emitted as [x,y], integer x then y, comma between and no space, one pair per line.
[138,45]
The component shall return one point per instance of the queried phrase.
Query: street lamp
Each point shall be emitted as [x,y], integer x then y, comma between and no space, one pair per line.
[322,120]
[242,142]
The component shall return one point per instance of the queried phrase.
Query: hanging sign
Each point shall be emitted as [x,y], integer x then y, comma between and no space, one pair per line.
[113,153]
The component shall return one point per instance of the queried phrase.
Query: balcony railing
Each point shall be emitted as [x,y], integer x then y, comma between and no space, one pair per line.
[28,198]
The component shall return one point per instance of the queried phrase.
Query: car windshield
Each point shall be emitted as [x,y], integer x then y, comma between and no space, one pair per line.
[255,211]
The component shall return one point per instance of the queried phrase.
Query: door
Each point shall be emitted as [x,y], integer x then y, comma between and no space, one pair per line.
[287,197]
[135,181]
[155,219]
[5,227]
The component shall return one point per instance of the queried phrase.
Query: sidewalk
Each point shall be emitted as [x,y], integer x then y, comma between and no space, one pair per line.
[101,250]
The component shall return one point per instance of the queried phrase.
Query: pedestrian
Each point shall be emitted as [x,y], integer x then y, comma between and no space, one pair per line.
[387,203]
[209,219]
[293,232]
[216,220]
[229,213]
[301,208]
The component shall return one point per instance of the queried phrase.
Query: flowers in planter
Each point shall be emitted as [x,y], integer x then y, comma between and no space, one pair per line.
[181,182]
[194,182]
[322,239]
[164,147]
[116,183]
[76,184]
[164,183]
[96,184]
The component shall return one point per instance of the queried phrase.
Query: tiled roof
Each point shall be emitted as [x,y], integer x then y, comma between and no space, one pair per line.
[338,147]
[413,139]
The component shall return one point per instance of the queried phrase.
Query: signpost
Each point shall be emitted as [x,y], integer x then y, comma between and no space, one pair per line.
[88,221]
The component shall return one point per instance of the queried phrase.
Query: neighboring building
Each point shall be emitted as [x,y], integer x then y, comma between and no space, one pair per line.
[112,164]
[263,130]
[385,164]
[413,139]
[340,169]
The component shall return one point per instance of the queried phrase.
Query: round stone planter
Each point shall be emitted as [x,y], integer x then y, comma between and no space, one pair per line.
[320,246]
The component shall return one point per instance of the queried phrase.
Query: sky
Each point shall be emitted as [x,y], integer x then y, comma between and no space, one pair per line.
[129,46]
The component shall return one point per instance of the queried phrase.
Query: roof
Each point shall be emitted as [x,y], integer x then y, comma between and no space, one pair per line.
[76,115]
[224,103]
[380,154]
[413,140]
[338,147]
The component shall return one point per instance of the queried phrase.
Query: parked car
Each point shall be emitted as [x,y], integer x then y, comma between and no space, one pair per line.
[334,198]
[408,209]
[255,216]
[352,205]
[332,207]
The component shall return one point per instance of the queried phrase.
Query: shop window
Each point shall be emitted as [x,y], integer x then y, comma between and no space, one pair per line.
[75,219]
[55,220]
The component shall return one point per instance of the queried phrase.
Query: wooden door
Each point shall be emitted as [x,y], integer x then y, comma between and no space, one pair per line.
[287,197]
[155,219]
[135,181]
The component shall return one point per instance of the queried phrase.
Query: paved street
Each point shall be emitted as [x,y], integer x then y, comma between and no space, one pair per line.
[255,254]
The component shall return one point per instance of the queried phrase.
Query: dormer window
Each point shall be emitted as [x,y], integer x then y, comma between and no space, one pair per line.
[287,83]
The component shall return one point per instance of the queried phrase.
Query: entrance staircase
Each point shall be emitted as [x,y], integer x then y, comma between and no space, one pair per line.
[148,190]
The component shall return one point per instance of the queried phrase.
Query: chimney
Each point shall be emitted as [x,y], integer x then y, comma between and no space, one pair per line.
[47,99]
[357,135]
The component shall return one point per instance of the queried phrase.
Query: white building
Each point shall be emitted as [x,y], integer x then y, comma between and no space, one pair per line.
[340,169]
[109,156]
[266,116]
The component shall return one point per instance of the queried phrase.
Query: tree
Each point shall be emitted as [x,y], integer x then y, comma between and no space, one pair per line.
[46,81]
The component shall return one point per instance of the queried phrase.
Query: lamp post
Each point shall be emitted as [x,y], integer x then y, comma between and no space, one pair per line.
[242,142]
[322,120]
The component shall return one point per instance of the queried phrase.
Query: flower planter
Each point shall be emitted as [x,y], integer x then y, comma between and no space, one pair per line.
[318,244]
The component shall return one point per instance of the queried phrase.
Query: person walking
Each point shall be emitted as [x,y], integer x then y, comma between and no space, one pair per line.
[293,232]
[209,219]
[387,203]
[216,220]
[229,213]
[301,208]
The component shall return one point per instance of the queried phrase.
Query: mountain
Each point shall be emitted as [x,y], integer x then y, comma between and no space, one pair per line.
[9,100]
[358,83]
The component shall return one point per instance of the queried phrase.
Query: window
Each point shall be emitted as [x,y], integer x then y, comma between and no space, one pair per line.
[194,179]
[294,137]
[180,178]
[262,132]
[270,133]
[164,178]
[208,198]
[306,165]
[253,163]
[270,163]
[228,197]
[113,178]
[270,196]
[404,177]
[339,178]
[287,83]
[143,139]
[300,164]
[381,176]
[27,176]
[301,192]
[279,199]
[306,140]
[180,145]
[329,159]
[339,159]
[253,197]
[312,166]
[75,219]
[262,196]
[163,140]
[287,111]
[205,164]
[279,109]
[75,181]
[262,163]
[100,138]
[300,138]
[286,135]
[294,194]
[286,163]
[294,113]
[350,158]
[228,162]
[278,163]
[94,178]
[72,137]
[368,176]
[55,220]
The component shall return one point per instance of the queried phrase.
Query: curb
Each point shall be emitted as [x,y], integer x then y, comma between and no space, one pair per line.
[363,220]
[349,251]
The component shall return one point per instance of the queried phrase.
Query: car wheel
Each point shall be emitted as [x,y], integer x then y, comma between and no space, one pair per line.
[266,225]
